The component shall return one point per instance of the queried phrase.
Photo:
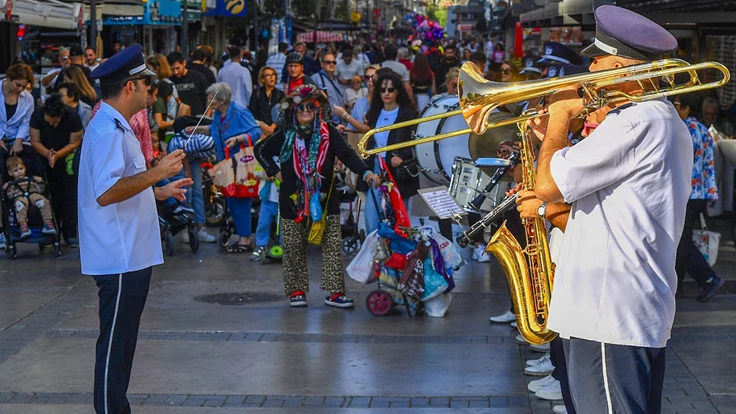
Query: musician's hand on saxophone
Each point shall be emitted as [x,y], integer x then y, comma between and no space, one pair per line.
[514,190]
[528,204]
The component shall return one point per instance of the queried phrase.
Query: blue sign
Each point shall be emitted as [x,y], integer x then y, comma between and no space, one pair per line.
[228,8]
[155,13]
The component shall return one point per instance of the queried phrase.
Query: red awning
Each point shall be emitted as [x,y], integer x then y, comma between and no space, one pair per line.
[322,37]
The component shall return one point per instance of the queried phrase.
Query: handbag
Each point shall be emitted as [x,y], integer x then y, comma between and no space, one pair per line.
[707,242]
[225,176]
[317,231]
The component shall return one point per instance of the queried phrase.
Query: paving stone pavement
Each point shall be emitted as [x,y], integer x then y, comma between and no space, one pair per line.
[264,357]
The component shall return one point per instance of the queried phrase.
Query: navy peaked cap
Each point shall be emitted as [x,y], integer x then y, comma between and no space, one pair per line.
[557,53]
[568,70]
[622,32]
[127,63]
[532,65]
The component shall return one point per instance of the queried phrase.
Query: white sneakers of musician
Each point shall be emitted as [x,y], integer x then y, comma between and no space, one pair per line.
[541,369]
[537,385]
[551,392]
[559,409]
[480,255]
[533,362]
[540,348]
[505,317]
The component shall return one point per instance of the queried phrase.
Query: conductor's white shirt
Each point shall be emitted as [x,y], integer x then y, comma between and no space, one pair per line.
[628,183]
[121,237]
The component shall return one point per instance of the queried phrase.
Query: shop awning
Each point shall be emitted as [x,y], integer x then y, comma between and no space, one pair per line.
[47,14]
[322,37]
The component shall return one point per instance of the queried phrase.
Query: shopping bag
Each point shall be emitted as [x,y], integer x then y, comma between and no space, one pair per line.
[434,283]
[222,173]
[397,202]
[707,242]
[245,167]
[361,269]
[438,305]
[452,257]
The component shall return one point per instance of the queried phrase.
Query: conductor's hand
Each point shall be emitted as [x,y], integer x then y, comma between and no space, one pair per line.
[170,165]
[174,189]
[528,204]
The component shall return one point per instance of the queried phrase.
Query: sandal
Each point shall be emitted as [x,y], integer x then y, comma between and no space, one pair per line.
[239,248]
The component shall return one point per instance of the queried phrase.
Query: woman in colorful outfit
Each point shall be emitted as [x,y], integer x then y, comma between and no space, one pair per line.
[306,149]
[232,125]
[689,259]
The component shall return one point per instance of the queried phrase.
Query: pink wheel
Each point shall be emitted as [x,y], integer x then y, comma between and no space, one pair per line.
[379,302]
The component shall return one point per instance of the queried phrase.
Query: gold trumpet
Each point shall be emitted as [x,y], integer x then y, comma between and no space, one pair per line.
[478,97]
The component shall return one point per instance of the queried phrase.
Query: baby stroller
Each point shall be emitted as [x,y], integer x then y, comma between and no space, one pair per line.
[171,224]
[35,223]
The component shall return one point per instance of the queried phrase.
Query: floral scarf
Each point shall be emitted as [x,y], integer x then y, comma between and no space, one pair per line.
[308,162]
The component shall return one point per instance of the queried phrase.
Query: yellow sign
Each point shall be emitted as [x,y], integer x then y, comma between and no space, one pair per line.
[235,6]
[355,17]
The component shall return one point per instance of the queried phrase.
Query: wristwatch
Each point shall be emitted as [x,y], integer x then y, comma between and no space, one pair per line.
[542,210]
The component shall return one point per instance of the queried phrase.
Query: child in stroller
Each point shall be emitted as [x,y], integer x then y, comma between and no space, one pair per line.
[19,195]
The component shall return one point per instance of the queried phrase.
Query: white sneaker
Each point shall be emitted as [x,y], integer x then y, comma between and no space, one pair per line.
[184,237]
[514,325]
[520,340]
[559,409]
[551,392]
[540,348]
[543,368]
[206,237]
[537,385]
[533,362]
[480,255]
[505,317]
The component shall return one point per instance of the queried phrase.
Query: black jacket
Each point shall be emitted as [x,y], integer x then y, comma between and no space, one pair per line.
[266,149]
[408,186]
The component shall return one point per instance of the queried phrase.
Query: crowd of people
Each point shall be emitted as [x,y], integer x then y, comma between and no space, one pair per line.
[294,106]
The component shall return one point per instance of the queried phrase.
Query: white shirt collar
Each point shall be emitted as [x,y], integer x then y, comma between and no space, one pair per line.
[113,113]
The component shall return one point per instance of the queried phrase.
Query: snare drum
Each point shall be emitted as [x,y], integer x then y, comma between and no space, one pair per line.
[467,183]
[436,158]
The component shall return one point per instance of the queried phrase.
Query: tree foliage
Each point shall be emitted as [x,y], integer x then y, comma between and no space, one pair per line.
[438,14]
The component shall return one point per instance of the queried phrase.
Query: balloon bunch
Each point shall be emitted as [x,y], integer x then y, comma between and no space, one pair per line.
[424,28]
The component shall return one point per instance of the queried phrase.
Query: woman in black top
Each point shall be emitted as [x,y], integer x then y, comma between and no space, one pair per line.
[305,155]
[264,99]
[56,131]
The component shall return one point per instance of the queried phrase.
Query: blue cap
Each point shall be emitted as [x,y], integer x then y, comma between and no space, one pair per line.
[567,70]
[553,71]
[622,32]
[532,65]
[127,63]
[560,54]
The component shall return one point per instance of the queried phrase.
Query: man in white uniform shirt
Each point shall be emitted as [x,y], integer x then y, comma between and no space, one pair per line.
[119,239]
[628,182]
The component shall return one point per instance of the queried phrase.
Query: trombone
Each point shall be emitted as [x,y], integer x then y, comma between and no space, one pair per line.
[479,97]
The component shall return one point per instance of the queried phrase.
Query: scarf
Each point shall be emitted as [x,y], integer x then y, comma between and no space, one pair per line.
[307,162]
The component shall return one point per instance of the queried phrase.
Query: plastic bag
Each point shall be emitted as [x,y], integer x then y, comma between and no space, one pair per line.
[450,254]
[438,305]
[434,283]
[361,268]
[315,207]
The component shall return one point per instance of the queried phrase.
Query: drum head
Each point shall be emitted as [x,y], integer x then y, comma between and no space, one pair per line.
[430,162]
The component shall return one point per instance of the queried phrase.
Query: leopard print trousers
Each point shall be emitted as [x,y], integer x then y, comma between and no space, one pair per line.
[295,256]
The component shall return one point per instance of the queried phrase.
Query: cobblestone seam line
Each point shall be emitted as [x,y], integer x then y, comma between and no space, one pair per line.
[281,337]
[292,401]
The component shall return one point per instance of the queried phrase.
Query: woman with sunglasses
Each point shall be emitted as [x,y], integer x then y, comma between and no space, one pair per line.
[356,118]
[232,125]
[390,105]
[264,98]
[509,72]
[302,156]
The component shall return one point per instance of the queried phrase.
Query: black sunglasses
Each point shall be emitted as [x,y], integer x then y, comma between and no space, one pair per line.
[148,80]
[304,107]
[389,90]
[330,62]
[506,71]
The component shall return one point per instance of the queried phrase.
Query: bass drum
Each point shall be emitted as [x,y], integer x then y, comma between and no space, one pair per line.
[436,158]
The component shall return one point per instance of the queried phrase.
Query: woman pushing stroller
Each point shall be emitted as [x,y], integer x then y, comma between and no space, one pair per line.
[306,150]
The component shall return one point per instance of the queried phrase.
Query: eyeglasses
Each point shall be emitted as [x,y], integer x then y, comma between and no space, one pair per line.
[369,78]
[268,75]
[304,107]
[148,80]
[506,71]
[389,90]
[329,62]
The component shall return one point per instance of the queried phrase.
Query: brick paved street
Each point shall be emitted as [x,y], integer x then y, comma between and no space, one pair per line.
[262,357]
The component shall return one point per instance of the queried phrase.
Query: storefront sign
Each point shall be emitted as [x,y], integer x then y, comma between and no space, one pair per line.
[227,8]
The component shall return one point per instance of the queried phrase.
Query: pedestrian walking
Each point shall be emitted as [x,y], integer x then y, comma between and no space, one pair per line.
[118,226]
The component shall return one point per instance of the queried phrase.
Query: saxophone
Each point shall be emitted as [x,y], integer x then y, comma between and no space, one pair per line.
[529,271]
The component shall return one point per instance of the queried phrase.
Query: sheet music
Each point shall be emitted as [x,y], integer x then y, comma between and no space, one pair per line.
[439,200]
